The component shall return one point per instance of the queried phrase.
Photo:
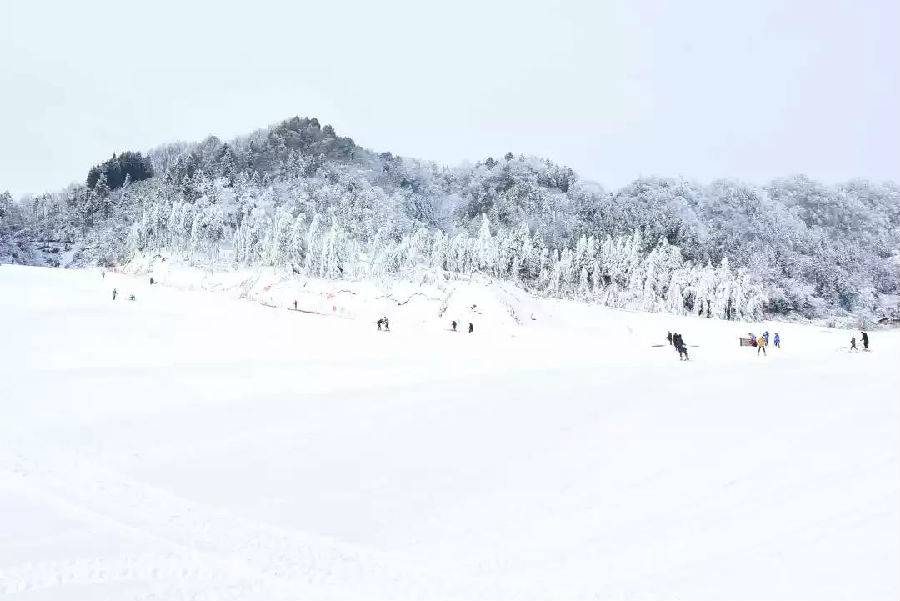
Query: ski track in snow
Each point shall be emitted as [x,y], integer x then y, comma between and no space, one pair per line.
[203,544]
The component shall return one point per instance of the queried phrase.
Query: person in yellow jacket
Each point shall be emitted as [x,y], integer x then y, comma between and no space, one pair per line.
[761,343]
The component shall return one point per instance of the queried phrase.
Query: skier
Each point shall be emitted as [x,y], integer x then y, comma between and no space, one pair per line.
[295,305]
[766,336]
[131,298]
[380,322]
[865,339]
[777,341]
[471,327]
[387,325]
[853,344]
[453,325]
[680,346]
[115,292]
[761,343]
[151,281]
[752,338]
[669,338]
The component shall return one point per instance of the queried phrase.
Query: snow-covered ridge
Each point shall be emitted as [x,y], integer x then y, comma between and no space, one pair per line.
[296,195]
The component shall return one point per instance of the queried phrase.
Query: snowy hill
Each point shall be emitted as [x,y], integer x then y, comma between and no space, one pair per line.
[191,445]
[297,197]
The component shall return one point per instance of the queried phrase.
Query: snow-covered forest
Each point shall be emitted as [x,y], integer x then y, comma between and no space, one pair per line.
[300,198]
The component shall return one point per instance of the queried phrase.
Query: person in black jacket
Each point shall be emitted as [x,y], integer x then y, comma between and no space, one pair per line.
[865,340]
[669,338]
[453,325]
[680,346]
[471,327]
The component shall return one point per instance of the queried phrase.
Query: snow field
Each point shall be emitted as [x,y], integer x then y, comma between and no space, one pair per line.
[190,445]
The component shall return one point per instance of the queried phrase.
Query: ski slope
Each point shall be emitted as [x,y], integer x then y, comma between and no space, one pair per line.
[190,445]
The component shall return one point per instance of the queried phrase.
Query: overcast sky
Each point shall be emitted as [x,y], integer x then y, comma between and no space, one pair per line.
[614,89]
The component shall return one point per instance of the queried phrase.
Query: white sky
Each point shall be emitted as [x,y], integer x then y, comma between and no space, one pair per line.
[614,89]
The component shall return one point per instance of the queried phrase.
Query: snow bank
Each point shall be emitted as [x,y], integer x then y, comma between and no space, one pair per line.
[483,301]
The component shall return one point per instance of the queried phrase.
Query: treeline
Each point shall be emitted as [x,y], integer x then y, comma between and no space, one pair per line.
[809,250]
[115,172]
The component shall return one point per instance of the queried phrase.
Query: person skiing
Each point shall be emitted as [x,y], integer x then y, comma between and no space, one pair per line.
[761,343]
[669,338]
[295,305]
[380,323]
[766,336]
[752,338]
[865,340]
[471,327]
[680,346]
[115,292]
[777,341]
[387,325]
[853,344]
[151,281]
[453,325]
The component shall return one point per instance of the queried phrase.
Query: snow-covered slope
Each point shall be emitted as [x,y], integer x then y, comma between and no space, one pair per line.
[192,445]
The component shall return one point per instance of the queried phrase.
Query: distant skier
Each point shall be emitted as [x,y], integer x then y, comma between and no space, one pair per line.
[865,339]
[752,338]
[853,344]
[680,346]
[103,274]
[453,325]
[151,281]
[777,341]
[380,323]
[766,336]
[387,325]
[295,305]
[761,343]
[115,292]
[131,298]
[669,338]
[471,327]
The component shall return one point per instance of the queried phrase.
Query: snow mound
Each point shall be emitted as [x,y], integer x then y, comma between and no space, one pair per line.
[483,301]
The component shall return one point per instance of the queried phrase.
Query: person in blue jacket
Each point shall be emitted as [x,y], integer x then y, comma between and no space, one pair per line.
[777,341]
[766,336]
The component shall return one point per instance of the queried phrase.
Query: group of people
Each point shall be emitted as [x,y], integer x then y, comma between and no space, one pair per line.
[677,340]
[116,293]
[865,342]
[454,325]
[763,341]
